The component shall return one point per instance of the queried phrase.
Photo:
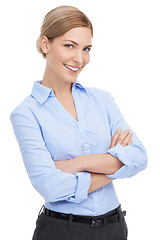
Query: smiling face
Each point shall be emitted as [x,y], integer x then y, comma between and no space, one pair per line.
[67,55]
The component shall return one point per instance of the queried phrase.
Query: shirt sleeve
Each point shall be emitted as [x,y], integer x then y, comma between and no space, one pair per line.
[134,156]
[53,184]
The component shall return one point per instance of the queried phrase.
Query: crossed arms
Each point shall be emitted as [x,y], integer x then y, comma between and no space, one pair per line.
[52,179]
[97,164]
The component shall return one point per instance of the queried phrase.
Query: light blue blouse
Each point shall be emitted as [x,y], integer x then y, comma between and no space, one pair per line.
[46,132]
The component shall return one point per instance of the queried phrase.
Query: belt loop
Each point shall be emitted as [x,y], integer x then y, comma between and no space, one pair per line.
[121,214]
[41,210]
[70,219]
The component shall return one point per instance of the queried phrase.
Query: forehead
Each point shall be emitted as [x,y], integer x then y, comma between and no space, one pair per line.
[81,35]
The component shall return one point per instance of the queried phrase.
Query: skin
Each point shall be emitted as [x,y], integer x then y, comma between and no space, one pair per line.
[73,50]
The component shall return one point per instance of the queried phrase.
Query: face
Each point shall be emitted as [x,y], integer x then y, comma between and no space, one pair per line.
[69,54]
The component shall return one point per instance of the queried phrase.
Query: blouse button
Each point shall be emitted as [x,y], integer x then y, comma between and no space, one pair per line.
[85,145]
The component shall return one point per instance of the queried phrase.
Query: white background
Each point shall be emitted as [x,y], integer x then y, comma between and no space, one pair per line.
[125,60]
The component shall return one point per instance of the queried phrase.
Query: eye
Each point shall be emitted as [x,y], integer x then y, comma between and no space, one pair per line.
[87,49]
[69,45]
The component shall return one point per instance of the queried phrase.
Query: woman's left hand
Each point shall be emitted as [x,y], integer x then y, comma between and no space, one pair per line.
[123,138]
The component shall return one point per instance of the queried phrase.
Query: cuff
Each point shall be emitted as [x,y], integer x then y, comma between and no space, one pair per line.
[83,184]
[124,155]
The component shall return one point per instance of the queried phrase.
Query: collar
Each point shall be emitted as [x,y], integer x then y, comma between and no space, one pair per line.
[77,84]
[41,93]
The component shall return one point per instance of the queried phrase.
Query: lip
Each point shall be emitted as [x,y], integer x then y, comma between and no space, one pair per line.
[72,66]
[71,70]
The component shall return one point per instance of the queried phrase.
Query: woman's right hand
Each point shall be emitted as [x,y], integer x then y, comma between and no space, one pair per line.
[124,139]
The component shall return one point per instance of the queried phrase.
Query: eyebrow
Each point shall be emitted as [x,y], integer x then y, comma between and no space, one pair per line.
[77,43]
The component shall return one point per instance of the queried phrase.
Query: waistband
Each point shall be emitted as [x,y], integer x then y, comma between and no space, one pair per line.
[95,221]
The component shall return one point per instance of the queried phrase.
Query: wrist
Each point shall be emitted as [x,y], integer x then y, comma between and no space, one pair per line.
[79,164]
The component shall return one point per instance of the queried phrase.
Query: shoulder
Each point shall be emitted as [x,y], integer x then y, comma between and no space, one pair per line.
[24,108]
[101,94]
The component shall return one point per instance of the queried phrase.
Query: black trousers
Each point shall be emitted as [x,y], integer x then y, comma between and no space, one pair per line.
[49,228]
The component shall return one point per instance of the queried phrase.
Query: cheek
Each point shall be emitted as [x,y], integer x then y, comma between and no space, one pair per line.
[86,59]
[57,55]
[62,55]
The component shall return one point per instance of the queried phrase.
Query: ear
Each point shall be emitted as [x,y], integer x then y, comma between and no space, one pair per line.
[44,44]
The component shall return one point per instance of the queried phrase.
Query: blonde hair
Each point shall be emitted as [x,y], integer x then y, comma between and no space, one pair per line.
[59,21]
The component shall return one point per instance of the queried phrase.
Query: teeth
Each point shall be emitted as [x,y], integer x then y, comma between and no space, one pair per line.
[72,68]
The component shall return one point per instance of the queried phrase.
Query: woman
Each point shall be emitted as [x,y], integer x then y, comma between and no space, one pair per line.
[73,139]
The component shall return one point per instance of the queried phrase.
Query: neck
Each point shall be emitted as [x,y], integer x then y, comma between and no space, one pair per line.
[60,88]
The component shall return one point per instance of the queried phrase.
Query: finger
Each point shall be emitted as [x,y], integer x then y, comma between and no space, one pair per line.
[127,140]
[55,162]
[115,137]
[123,136]
[130,142]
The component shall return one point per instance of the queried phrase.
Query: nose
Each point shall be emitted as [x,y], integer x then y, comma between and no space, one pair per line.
[78,57]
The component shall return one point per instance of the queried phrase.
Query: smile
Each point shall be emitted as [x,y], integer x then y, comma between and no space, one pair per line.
[71,68]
